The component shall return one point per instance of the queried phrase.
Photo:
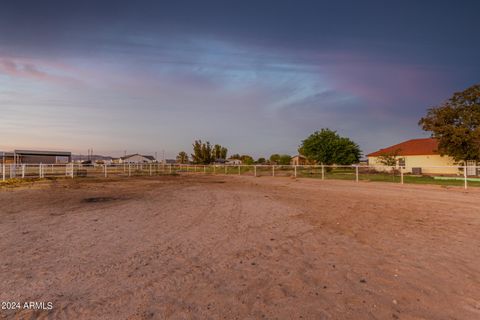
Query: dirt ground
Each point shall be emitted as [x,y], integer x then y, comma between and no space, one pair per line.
[199,247]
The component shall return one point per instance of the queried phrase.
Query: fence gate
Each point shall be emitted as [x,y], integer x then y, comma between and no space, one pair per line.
[471,168]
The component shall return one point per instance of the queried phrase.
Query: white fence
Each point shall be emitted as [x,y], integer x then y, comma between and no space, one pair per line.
[451,175]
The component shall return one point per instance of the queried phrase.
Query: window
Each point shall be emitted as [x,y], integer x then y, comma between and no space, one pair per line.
[401,162]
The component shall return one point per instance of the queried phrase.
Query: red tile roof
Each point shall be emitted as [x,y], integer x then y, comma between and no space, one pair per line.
[414,147]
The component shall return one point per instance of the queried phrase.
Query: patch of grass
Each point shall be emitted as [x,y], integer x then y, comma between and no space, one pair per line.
[349,174]
[431,180]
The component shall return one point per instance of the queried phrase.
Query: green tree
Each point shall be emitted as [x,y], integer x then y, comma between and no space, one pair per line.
[284,159]
[235,156]
[389,159]
[327,147]
[223,153]
[280,159]
[219,152]
[456,125]
[261,160]
[246,159]
[182,157]
[202,152]
[274,158]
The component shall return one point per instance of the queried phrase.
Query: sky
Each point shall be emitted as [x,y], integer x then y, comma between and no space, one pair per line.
[255,76]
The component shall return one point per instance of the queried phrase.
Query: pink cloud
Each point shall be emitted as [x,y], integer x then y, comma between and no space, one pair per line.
[383,84]
[36,70]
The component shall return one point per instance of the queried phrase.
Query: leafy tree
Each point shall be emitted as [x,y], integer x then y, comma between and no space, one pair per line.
[219,152]
[223,153]
[182,157]
[456,125]
[246,159]
[216,151]
[261,160]
[274,158]
[284,159]
[280,159]
[327,147]
[389,158]
[202,152]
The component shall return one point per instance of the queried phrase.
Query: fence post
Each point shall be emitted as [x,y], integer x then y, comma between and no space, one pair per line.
[356,173]
[226,170]
[254,171]
[273,171]
[295,170]
[323,172]
[150,169]
[129,169]
[401,175]
[214,169]
[3,172]
[73,168]
[239,173]
[205,169]
[105,169]
[23,171]
[40,171]
[170,169]
[465,175]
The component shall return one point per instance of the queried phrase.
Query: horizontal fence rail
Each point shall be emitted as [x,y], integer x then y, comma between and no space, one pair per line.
[441,175]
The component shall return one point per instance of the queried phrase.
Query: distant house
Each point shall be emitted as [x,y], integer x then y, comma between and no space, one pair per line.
[35,157]
[137,158]
[170,161]
[235,162]
[414,154]
[219,161]
[298,160]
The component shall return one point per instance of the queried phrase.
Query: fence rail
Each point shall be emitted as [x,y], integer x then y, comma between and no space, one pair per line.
[441,175]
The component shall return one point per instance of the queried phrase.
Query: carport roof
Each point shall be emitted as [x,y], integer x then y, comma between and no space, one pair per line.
[43,153]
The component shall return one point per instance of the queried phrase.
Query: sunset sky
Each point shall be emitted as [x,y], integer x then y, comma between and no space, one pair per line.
[255,76]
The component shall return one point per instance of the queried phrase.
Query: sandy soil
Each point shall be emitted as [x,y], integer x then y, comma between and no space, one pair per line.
[240,248]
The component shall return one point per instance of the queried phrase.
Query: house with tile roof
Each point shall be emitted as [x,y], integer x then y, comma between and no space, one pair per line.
[417,153]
